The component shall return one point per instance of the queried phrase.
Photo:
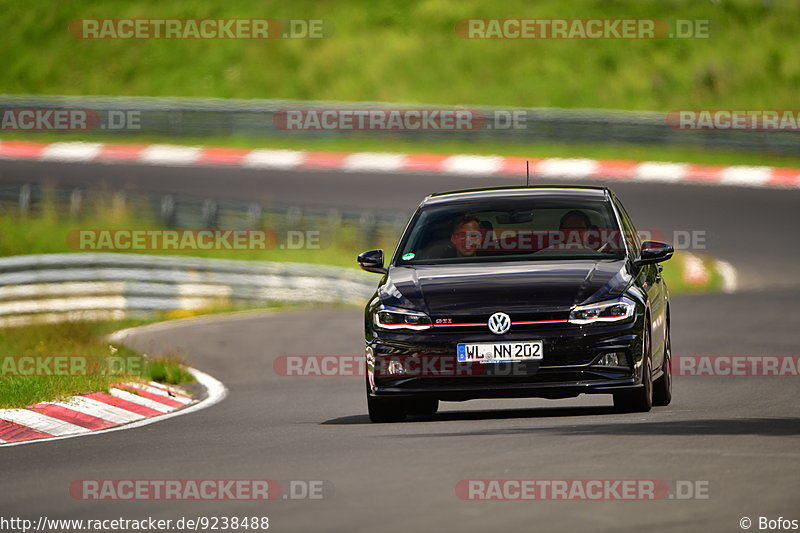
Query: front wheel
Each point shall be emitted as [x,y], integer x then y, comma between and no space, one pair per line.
[662,387]
[639,400]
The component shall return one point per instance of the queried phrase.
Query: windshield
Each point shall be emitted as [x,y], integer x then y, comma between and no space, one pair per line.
[519,229]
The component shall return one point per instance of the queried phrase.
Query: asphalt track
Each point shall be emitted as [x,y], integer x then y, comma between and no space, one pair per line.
[739,434]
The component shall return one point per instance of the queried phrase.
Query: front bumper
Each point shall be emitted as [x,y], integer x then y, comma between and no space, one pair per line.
[423,364]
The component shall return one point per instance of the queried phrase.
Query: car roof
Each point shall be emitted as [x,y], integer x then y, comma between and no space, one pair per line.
[536,191]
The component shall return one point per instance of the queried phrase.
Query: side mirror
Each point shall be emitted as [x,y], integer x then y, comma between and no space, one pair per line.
[372,261]
[654,252]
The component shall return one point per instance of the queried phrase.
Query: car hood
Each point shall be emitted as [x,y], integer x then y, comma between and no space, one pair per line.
[520,287]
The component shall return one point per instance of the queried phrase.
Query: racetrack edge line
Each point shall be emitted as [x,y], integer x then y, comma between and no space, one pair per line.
[215,393]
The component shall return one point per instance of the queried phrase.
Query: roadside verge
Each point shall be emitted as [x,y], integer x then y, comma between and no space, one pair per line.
[125,406]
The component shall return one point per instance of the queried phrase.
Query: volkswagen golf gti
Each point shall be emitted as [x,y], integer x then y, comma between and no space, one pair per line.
[514,292]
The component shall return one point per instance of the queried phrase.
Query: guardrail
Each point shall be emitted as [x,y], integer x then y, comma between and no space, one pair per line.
[95,286]
[192,117]
[189,211]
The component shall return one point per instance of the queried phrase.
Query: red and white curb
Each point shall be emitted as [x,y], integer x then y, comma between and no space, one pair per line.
[125,406]
[461,165]
[730,278]
[695,272]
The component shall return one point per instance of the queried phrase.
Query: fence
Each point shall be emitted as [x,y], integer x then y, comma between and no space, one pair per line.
[189,117]
[54,287]
[370,228]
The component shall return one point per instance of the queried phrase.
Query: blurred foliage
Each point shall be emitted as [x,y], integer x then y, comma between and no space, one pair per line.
[46,231]
[391,51]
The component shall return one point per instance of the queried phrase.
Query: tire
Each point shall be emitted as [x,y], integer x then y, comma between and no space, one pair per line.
[422,406]
[639,400]
[662,387]
[384,410]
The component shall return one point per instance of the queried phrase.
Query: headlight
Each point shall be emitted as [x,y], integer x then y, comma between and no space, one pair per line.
[613,311]
[395,318]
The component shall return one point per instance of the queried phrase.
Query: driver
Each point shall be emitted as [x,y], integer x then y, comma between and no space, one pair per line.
[575,220]
[463,242]
[575,226]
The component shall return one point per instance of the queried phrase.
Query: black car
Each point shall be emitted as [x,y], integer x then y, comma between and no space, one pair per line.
[517,292]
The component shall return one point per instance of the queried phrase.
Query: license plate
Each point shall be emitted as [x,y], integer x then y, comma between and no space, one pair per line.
[500,352]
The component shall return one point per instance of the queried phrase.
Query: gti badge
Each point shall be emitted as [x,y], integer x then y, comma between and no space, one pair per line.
[499,323]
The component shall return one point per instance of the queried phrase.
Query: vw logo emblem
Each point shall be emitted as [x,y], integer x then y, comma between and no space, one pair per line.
[499,323]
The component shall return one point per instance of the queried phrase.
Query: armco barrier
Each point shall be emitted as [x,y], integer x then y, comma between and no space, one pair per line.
[53,287]
[198,117]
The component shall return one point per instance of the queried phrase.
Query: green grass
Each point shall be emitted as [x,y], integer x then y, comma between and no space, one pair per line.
[384,50]
[40,236]
[47,233]
[673,276]
[169,370]
[84,339]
